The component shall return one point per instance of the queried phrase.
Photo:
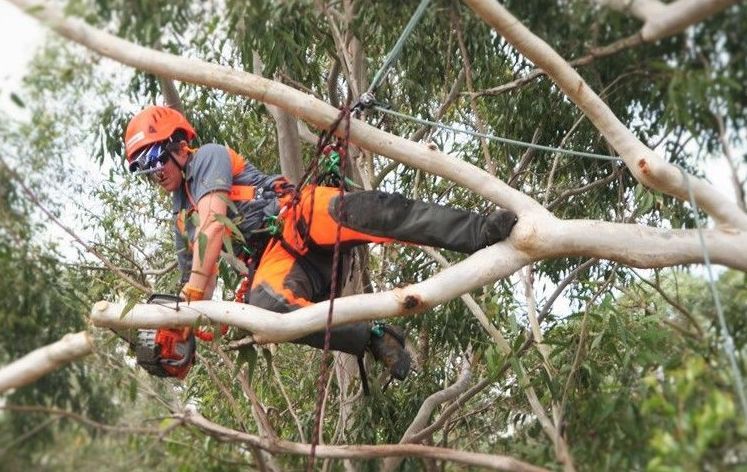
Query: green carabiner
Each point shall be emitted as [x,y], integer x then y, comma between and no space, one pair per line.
[273,225]
[377,329]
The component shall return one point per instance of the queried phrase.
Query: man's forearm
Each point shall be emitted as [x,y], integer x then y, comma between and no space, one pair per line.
[205,261]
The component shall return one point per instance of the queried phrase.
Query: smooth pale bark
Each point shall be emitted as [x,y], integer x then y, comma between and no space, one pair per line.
[677,16]
[171,97]
[647,167]
[641,9]
[495,462]
[289,143]
[634,245]
[44,360]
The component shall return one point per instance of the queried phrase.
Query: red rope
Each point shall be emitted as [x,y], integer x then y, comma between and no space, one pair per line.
[322,381]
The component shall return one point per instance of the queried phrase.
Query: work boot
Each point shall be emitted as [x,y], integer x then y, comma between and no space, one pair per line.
[388,347]
[498,226]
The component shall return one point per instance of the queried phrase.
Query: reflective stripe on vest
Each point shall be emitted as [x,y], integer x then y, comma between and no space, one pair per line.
[239,192]
[242,192]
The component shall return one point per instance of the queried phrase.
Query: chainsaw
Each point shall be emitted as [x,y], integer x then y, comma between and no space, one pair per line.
[163,352]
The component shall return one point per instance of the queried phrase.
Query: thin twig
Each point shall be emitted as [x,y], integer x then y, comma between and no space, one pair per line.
[82,419]
[75,237]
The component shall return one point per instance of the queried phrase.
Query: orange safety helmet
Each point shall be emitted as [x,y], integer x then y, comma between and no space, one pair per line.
[152,125]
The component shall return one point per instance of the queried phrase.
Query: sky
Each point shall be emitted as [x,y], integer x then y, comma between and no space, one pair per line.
[20,36]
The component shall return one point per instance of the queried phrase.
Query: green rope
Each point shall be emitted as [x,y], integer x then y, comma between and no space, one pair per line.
[398,46]
[728,340]
[499,139]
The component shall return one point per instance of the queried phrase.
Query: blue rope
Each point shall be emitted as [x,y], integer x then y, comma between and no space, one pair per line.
[728,340]
[394,53]
[499,139]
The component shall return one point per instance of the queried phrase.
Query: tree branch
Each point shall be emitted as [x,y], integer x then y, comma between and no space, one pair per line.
[289,144]
[649,168]
[27,191]
[44,360]
[729,158]
[429,404]
[671,20]
[495,462]
[86,421]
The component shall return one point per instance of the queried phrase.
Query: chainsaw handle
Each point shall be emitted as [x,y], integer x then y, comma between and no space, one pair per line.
[184,360]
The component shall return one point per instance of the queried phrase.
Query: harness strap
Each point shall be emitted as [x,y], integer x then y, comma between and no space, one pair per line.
[364,376]
[236,193]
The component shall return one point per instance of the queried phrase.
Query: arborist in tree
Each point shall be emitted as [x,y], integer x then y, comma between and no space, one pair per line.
[288,234]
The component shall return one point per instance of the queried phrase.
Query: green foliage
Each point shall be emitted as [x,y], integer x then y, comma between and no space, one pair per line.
[650,388]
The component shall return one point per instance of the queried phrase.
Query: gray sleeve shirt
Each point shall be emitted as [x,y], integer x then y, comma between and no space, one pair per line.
[209,170]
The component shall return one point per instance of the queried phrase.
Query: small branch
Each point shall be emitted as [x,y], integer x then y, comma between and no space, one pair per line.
[75,237]
[729,158]
[44,360]
[450,99]
[420,133]
[451,409]
[154,272]
[678,306]
[526,158]
[82,419]
[479,122]
[28,434]
[528,278]
[429,404]
[583,189]
[495,462]
[473,306]
[237,411]
[562,285]
[578,357]
[291,410]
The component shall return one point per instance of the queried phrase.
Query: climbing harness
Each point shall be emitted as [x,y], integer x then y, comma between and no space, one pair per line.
[322,380]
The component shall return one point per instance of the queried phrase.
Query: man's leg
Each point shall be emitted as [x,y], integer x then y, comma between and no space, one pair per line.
[282,284]
[382,214]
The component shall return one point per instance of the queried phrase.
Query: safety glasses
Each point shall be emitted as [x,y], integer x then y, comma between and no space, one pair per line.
[151,159]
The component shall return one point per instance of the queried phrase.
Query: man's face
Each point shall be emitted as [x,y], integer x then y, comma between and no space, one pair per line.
[170,176]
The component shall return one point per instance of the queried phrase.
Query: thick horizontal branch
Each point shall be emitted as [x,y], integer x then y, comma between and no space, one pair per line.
[494,462]
[486,266]
[649,168]
[536,239]
[644,246]
[44,360]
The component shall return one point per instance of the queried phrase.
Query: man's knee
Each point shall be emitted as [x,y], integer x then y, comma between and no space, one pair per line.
[263,297]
